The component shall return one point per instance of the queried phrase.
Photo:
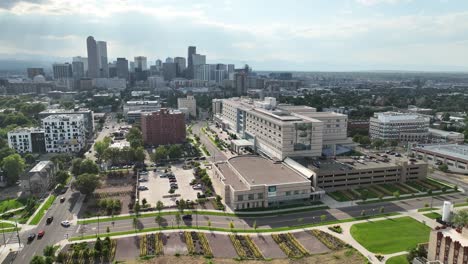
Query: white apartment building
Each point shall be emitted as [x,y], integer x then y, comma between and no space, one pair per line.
[273,132]
[64,133]
[27,140]
[399,126]
[190,103]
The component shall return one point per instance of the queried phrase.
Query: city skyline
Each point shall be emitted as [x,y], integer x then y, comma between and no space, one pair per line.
[352,35]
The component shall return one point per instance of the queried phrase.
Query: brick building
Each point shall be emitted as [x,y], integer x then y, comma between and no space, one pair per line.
[163,127]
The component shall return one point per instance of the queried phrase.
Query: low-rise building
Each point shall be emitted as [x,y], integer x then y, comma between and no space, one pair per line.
[442,136]
[453,155]
[190,103]
[40,178]
[144,106]
[163,127]
[348,173]
[401,127]
[64,133]
[27,140]
[448,245]
[256,182]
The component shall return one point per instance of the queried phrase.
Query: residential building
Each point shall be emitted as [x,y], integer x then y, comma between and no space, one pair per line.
[256,182]
[401,127]
[87,114]
[163,127]
[62,71]
[442,136]
[448,245]
[93,58]
[40,178]
[190,103]
[122,68]
[453,155]
[140,63]
[27,140]
[64,133]
[348,173]
[35,71]
[145,106]
[217,106]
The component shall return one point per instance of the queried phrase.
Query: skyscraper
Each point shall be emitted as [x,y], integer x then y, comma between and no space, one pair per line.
[190,70]
[84,60]
[93,59]
[169,60]
[122,68]
[102,59]
[169,71]
[198,59]
[180,62]
[62,71]
[78,69]
[140,63]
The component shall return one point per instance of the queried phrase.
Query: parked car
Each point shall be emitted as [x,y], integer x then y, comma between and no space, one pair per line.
[164,175]
[142,180]
[172,180]
[65,223]
[174,186]
[62,199]
[49,220]
[142,188]
[40,234]
[31,237]
[187,217]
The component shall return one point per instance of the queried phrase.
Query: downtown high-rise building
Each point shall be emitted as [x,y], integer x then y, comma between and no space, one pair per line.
[62,71]
[78,69]
[102,59]
[122,68]
[180,62]
[141,63]
[169,60]
[190,69]
[93,58]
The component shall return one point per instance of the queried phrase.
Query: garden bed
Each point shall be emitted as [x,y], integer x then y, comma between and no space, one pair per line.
[197,244]
[290,246]
[245,247]
[328,240]
[151,245]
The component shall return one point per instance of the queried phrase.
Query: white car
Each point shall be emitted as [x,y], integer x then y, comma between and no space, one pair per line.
[65,223]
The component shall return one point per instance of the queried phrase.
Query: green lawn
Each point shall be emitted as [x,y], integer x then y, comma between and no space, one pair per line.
[401,259]
[426,209]
[391,235]
[339,196]
[4,225]
[37,218]
[460,204]
[433,215]
[9,204]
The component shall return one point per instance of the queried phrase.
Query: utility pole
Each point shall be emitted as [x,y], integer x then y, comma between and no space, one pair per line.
[98,225]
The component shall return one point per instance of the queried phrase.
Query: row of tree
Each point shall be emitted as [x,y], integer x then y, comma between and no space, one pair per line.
[165,152]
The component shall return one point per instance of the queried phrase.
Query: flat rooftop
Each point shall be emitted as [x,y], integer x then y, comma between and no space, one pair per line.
[40,166]
[347,164]
[452,150]
[256,170]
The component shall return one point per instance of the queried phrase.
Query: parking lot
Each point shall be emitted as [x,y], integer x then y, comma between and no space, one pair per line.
[158,188]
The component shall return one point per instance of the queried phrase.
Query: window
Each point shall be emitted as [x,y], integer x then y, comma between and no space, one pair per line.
[240,197]
[251,196]
[260,196]
[288,193]
[296,192]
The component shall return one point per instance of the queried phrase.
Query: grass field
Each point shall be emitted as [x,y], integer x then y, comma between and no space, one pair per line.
[433,215]
[426,209]
[391,235]
[401,259]
[9,204]
[37,218]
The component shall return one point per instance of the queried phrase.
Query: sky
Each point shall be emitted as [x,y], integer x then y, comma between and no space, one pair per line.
[294,35]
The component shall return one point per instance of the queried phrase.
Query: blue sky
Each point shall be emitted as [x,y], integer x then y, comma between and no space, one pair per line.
[308,35]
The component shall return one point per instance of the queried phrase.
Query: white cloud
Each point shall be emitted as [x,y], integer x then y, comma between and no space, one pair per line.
[376,2]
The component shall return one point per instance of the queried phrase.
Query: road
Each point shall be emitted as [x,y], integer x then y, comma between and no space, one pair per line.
[110,125]
[215,153]
[275,221]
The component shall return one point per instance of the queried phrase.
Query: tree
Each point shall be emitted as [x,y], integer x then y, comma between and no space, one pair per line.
[182,205]
[174,151]
[76,164]
[135,137]
[443,167]
[159,154]
[89,166]
[209,224]
[135,223]
[139,155]
[98,245]
[365,140]
[254,225]
[49,251]
[101,146]
[29,158]
[397,194]
[38,260]
[159,206]
[378,143]
[460,218]
[159,220]
[455,188]
[231,225]
[61,177]
[13,166]
[446,117]
[381,196]
[178,218]
[382,210]
[144,202]
[137,208]
[323,218]
[418,251]
[86,183]
[112,155]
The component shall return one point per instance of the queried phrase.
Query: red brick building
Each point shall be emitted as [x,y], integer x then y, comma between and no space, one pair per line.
[163,127]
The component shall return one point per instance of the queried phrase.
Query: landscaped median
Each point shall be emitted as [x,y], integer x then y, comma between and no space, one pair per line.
[41,211]
[236,230]
[163,213]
